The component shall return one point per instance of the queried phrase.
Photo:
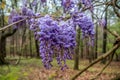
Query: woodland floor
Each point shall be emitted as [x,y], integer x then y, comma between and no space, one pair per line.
[32,69]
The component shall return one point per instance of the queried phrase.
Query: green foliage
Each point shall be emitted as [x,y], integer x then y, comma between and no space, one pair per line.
[9,73]
[12,72]
[114,27]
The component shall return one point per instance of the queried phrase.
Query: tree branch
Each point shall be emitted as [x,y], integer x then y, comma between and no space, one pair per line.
[102,70]
[10,25]
[2,29]
[105,65]
[113,33]
[115,47]
[113,3]
[116,4]
[9,33]
[114,8]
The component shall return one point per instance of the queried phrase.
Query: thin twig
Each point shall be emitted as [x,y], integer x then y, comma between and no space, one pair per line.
[113,33]
[104,66]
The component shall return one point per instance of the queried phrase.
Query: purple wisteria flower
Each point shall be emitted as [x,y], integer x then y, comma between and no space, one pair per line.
[14,17]
[102,22]
[88,4]
[86,25]
[56,38]
[12,14]
[67,4]
[43,1]
[27,12]
[34,3]
[24,2]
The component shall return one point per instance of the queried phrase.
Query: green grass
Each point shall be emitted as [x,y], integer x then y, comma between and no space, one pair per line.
[23,69]
[26,66]
[9,72]
[20,71]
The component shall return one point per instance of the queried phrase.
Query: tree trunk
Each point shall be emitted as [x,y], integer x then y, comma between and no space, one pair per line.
[3,37]
[104,37]
[3,46]
[104,45]
[96,43]
[37,48]
[81,49]
[2,50]
[76,64]
[117,57]
[30,42]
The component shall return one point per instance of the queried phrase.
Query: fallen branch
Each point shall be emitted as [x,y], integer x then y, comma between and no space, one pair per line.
[105,65]
[103,68]
[115,47]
